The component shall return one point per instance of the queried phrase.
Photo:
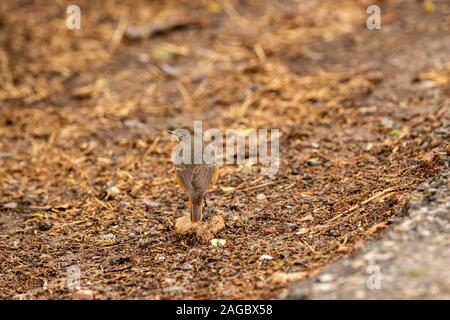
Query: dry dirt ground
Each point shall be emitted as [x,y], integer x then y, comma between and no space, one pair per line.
[86,181]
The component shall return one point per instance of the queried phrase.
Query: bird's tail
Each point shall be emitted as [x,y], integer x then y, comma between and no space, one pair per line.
[196,210]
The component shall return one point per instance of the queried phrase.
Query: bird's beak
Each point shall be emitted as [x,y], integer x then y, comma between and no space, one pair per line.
[172,133]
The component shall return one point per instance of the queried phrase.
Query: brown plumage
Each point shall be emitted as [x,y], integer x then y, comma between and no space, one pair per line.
[196,180]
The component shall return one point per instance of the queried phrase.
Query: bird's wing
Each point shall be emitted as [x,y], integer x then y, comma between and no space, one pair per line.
[202,178]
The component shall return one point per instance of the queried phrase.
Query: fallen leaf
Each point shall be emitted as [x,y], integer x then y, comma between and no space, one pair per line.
[218,242]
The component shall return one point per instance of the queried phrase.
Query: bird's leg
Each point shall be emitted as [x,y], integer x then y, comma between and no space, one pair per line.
[204,199]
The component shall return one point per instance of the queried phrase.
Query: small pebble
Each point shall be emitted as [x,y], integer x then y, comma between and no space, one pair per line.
[5,155]
[291,226]
[235,206]
[150,203]
[260,197]
[10,205]
[174,289]
[387,122]
[326,277]
[187,266]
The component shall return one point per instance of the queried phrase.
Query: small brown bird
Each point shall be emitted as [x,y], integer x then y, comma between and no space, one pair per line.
[195,179]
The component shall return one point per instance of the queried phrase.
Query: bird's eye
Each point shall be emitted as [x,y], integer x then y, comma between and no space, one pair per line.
[180,138]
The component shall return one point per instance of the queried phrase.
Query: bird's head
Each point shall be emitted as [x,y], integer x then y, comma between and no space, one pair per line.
[183,132]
